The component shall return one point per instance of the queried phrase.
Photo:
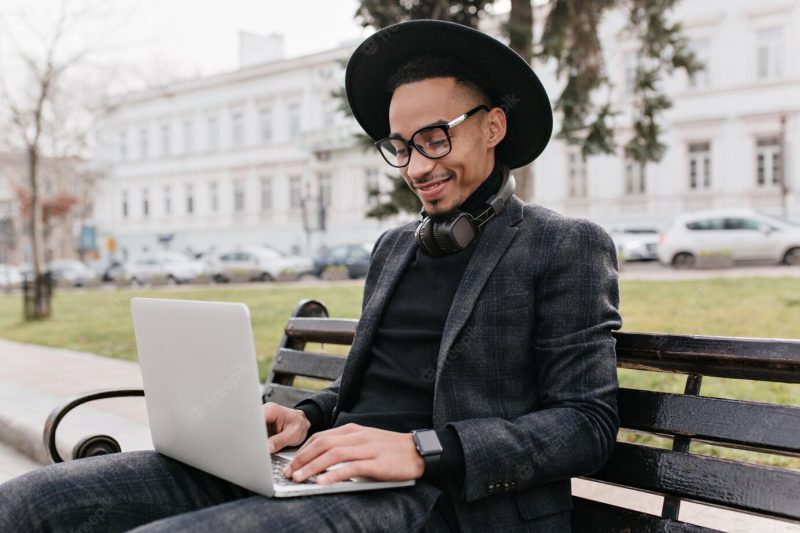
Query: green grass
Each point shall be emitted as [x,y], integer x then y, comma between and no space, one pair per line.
[99,322]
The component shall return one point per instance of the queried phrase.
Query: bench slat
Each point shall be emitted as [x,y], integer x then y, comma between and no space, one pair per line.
[308,364]
[743,424]
[285,395]
[748,487]
[596,517]
[327,330]
[728,357]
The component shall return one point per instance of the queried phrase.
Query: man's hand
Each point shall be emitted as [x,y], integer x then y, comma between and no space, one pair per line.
[370,452]
[286,427]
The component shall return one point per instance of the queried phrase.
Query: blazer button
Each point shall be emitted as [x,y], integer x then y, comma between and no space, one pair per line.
[506,485]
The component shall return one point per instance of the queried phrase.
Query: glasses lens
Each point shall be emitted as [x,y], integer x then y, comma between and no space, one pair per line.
[433,141]
[394,151]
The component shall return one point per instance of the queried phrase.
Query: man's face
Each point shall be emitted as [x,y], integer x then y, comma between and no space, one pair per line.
[444,184]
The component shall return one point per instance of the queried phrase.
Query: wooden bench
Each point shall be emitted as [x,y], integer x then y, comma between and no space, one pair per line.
[679,474]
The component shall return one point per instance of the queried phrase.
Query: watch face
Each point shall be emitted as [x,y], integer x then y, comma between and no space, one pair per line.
[428,443]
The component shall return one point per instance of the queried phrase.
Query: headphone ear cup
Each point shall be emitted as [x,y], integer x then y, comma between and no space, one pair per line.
[439,237]
[426,239]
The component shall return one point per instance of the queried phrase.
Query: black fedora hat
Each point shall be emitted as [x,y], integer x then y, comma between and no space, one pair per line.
[514,86]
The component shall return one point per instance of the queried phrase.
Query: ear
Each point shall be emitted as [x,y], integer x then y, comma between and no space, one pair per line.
[496,126]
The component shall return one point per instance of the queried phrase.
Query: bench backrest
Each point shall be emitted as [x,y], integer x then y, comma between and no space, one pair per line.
[677,473]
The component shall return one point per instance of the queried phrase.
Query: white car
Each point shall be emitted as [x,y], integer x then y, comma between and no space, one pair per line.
[636,244]
[72,272]
[169,267]
[740,234]
[10,276]
[258,264]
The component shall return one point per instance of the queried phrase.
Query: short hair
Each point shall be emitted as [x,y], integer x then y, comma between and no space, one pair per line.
[426,66]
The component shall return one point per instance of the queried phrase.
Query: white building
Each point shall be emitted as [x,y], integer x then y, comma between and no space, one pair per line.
[731,133]
[248,157]
[261,155]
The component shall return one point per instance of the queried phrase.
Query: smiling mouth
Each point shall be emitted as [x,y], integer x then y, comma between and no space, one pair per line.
[431,184]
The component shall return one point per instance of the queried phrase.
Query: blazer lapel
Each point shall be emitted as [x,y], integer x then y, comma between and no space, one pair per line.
[491,246]
[396,263]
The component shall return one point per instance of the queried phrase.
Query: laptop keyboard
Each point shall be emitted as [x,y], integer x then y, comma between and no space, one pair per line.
[278,464]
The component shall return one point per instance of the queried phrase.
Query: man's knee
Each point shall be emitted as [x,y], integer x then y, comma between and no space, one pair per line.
[32,499]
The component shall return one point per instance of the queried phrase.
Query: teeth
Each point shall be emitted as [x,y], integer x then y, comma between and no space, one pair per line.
[429,187]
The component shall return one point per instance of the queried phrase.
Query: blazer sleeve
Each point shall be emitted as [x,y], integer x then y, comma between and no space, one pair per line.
[574,427]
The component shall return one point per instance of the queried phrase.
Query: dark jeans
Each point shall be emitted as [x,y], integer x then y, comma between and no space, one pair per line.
[151,492]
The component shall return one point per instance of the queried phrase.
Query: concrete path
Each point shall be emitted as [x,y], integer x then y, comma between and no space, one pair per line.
[35,379]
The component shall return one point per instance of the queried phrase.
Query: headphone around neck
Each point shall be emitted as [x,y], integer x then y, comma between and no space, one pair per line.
[462,229]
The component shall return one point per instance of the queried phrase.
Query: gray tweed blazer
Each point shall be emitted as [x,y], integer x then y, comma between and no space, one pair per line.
[526,371]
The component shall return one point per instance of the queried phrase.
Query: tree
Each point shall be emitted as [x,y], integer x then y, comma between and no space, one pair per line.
[37,109]
[570,37]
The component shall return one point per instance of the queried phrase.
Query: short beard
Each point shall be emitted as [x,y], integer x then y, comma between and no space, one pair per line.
[444,215]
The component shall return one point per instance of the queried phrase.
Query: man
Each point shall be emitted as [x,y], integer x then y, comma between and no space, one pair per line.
[483,363]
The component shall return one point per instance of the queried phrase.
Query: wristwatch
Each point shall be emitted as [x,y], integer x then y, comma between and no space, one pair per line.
[429,447]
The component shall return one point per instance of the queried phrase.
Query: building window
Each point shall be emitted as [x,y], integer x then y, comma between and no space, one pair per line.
[768,162]
[295,195]
[213,196]
[325,190]
[576,171]
[189,199]
[188,137]
[123,146]
[165,148]
[373,187]
[238,196]
[266,193]
[631,65]
[265,123]
[124,204]
[143,144]
[328,112]
[702,50]
[213,133]
[237,128]
[145,203]
[293,114]
[634,177]
[699,166]
[770,52]
[167,200]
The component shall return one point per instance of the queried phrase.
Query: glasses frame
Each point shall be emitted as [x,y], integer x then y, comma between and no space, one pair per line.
[444,127]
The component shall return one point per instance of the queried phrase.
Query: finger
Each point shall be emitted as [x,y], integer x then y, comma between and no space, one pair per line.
[272,411]
[319,446]
[350,470]
[341,430]
[343,454]
[288,437]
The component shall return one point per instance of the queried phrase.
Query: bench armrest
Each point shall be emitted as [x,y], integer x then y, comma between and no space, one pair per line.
[93,445]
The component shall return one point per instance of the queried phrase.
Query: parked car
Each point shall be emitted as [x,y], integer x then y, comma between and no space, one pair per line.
[350,258]
[162,267]
[258,264]
[71,272]
[10,277]
[636,243]
[740,234]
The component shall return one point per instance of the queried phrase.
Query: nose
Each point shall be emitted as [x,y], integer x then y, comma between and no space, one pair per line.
[419,165]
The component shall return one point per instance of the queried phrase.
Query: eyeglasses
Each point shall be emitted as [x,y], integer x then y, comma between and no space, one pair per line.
[431,141]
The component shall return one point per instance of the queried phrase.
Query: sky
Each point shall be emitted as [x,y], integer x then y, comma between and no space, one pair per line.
[157,41]
[153,42]
[204,34]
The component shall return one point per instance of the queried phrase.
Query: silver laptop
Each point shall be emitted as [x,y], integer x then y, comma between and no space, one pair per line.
[203,396]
